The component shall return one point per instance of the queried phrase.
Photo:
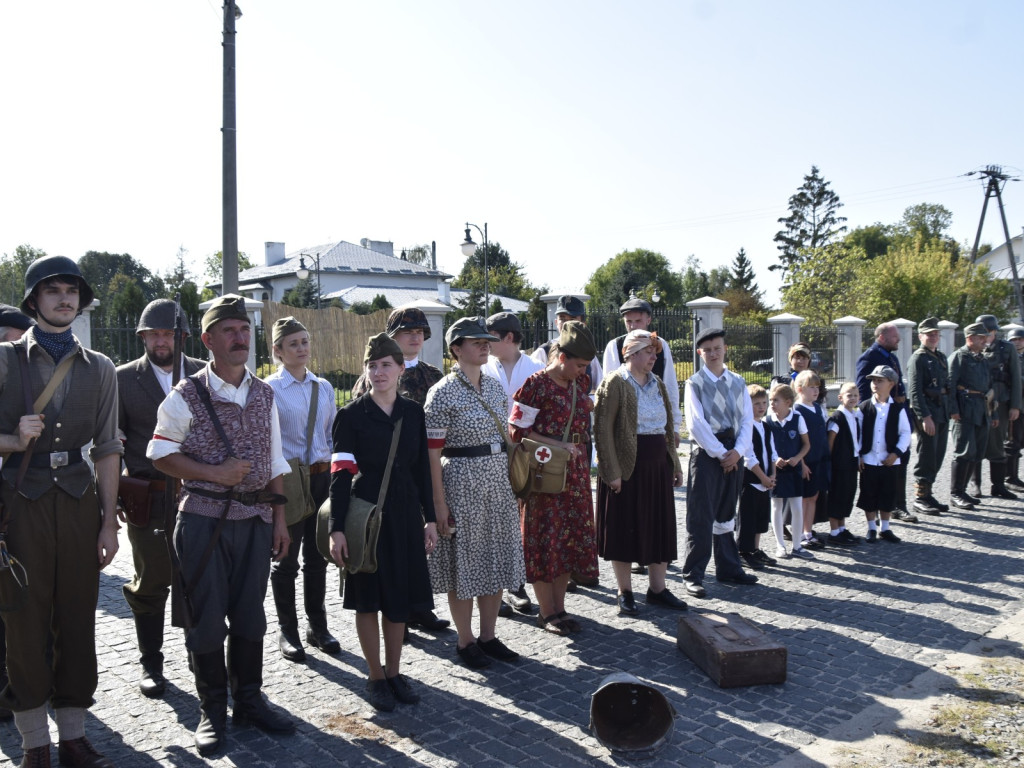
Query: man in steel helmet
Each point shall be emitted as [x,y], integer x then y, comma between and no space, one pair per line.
[59,524]
[142,385]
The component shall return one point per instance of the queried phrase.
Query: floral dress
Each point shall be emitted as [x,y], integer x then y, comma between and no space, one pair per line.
[485,554]
[558,528]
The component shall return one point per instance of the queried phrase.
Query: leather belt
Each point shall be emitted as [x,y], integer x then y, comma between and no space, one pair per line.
[47,460]
[967,391]
[470,451]
[245,498]
[318,467]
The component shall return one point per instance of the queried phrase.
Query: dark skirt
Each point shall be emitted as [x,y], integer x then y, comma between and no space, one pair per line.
[638,525]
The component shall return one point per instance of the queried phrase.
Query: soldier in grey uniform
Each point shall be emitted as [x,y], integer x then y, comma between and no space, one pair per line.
[1004,367]
[1015,441]
[928,395]
[969,384]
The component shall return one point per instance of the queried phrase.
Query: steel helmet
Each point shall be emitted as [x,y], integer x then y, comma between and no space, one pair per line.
[159,315]
[55,266]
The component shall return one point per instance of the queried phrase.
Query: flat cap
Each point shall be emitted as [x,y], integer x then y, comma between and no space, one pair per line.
[707,334]
[928,325]
[228,307]
[884,372]
[635,304]
[468,328]
[504,322]
[12,317]
[570,305]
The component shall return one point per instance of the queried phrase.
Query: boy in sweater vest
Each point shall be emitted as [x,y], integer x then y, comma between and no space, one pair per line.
[885,435]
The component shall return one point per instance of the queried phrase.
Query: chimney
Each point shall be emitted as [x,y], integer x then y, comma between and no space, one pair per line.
[273,253]
[379,246]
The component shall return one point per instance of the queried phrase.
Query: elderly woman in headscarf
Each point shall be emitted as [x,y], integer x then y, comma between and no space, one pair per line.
[638,467]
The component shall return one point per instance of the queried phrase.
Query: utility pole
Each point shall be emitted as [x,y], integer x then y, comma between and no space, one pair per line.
[996,180]
[229,193]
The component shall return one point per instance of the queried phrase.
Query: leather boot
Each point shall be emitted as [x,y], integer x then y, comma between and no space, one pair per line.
[973,485]
[1013,472]
[997,470]
[149,628]
[288,638]
[923,499]
[37,757]
[958,479]
[245,661]
[212,687]
[314,589]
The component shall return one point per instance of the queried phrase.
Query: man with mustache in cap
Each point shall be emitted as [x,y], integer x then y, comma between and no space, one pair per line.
[218,431]
[141,386]
[58,523]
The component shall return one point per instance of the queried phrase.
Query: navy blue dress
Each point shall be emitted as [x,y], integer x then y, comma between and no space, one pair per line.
[789,481]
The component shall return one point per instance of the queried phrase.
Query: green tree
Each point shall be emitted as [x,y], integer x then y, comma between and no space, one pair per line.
[746,299]
[100,269]
[640,271]
[378,303]
[419,254]
[930,221]
[12,273]
[694,280]
[302,294]
[821,283]
[125,297]
[874,239]
[812,222]
[179,279]
[504,276]
[213,266]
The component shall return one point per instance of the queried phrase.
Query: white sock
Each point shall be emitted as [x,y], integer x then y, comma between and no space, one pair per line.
[885,525]
[872,526]
[32,725]
[70,723]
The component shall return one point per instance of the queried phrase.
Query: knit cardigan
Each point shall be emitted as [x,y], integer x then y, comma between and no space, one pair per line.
[615,428]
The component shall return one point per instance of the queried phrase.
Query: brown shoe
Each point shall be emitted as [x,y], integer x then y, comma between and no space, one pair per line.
[37,757]
[79,753]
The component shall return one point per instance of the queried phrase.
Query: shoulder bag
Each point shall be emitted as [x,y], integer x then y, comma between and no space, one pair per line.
[296,482]
[536,467]
[362,522]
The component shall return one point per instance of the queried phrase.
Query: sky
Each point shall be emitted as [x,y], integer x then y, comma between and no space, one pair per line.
[574,129]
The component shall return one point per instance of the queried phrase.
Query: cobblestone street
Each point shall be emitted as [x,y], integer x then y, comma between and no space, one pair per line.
[858,624]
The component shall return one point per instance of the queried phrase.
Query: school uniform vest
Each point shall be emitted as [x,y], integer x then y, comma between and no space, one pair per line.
[763,454]
[843,445]
[659,361]
[892,427]
[248,430]
[816,432]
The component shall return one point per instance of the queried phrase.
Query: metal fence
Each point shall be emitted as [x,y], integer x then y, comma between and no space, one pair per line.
[824,343]
[749,352]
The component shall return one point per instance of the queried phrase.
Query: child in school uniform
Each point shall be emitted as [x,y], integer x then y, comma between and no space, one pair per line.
[758,480]
[807,385]
[844,430]
[885,434]
[789,437]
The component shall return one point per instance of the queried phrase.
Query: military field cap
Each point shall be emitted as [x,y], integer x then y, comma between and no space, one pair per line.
[504,322]
[380,346]
[928,325]
[707,334]
[884,372]
[229,307]
[576,340]
[468,328]
[636,305]
[285,326]
[570,305]
[799,349]
[976,329]
[12,317]
[407,319]
[989,321]
[637,340]
[1016,332]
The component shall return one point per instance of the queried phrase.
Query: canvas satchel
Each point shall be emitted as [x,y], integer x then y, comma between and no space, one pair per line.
[296,483]
[536,467]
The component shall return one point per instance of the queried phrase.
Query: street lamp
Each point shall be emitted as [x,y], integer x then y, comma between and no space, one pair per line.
[302,273]
[469,248]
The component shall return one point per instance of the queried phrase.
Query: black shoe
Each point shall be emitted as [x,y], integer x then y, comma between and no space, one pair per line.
[505,610]
[472,656]
[838,540]
[627,604]
[323,640]
[79,753]
[380,695]
[853,540]
[937,504]
[812,543]
[922,505]
[739,578]
[639,570]
[428,621]
[902,514]
[694,589]
[960,501]
[752,560]
[290,645]
[519,600]
[889,536]
[763,558]
[1002,492]
[497,650]
[402,690]
[1016,482]
[585,581]
[665,599]
[572,586]
[872,537]
[975,499]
